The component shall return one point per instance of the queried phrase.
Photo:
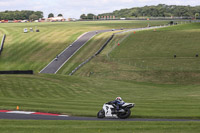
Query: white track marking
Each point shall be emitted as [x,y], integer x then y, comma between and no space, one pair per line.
[63,115]
[20,112]
[64,51]
[73,54]
[137,29]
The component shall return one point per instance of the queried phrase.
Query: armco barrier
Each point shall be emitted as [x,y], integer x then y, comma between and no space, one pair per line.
[98,52]
[17,72]
[2,43]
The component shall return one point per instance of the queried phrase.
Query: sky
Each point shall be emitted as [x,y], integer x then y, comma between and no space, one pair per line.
[74,8]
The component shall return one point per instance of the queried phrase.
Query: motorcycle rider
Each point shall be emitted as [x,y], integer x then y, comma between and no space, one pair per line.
[118,102]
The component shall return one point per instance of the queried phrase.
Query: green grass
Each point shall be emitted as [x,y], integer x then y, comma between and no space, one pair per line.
[90,48]
[159,91]
[85,96]
[1,35]
[7,126]
[147,56]
[35,50]
[62,94]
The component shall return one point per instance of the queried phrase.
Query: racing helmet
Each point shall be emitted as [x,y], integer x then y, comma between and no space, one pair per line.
[118,99]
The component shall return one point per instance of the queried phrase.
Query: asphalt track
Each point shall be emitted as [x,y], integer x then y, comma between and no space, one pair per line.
[64,56]
[47,117]
[54,66]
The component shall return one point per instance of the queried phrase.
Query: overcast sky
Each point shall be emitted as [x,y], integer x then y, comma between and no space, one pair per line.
[74,8]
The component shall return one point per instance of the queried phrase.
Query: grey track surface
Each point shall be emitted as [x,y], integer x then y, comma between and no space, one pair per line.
[56,64]
[46,117]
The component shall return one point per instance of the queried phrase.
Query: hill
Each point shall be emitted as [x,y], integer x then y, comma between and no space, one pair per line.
[160,10]
[142,70]
[34,50]
[113,75]
[148,56]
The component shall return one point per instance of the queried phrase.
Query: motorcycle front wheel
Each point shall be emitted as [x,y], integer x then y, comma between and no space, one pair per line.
[101,114]
[125,114]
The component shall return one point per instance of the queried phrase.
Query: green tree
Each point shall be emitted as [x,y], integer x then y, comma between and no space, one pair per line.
[90,16]
[83,16]
[160,10]
[39,14]
[19,15]
[33,17]
[196,15]
[50,15]
[60,15]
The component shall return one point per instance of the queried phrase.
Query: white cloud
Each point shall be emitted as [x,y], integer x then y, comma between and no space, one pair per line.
[7,3]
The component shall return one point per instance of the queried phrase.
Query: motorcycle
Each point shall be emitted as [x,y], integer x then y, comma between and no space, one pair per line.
[109,111]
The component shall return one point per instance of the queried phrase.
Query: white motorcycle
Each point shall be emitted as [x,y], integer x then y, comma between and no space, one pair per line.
[109,110]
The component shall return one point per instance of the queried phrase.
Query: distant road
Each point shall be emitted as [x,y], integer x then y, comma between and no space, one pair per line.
[50,117]
[54,66]
[63,57]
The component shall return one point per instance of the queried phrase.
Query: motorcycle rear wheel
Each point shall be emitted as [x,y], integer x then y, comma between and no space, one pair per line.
[125,114]
[101,114]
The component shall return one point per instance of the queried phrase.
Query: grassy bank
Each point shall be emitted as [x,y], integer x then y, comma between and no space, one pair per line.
[85,96]
[1,36]
[141,70]
[148,56]
[85,52]
[34,51]
[7,126]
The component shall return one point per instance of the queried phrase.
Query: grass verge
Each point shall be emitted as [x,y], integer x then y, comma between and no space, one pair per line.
[7,126]
[148,56]
[85,96]
[35,50]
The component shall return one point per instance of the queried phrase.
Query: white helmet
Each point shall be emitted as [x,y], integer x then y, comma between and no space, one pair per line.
[118,99]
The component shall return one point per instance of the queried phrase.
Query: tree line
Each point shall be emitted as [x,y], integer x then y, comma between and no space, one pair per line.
[88,16]
[160,10]
[52,15]
[21,15]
